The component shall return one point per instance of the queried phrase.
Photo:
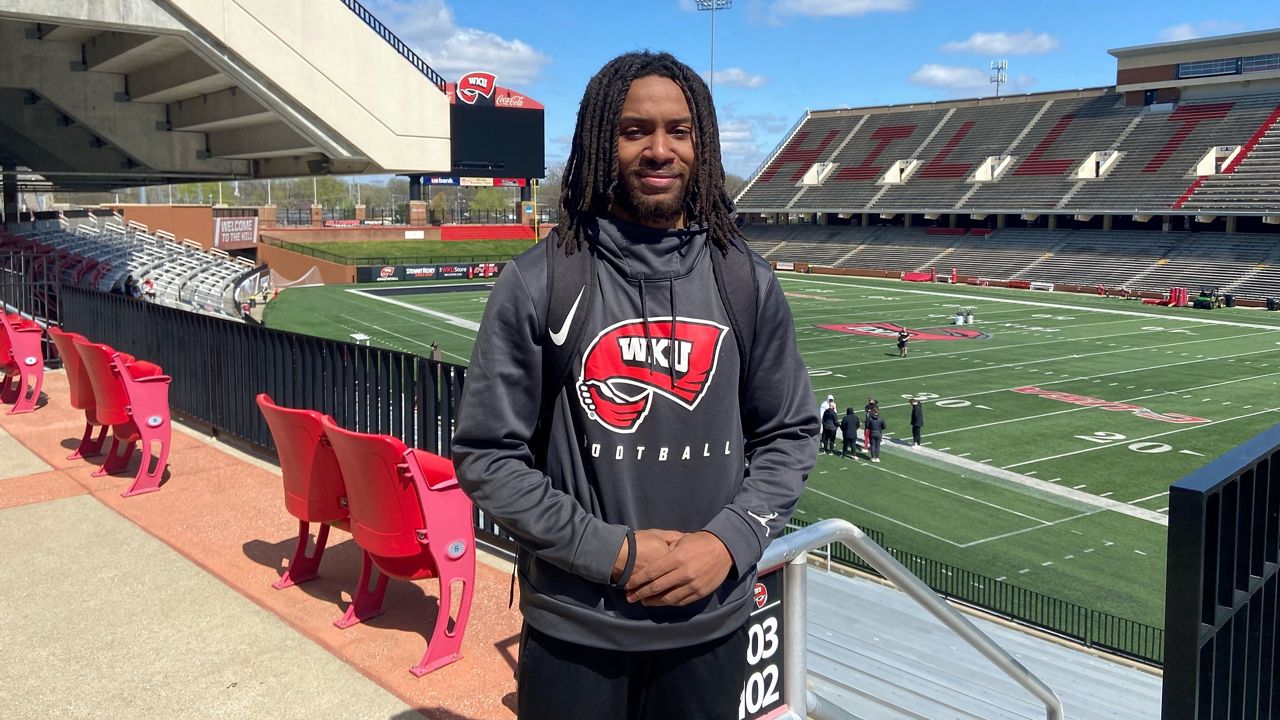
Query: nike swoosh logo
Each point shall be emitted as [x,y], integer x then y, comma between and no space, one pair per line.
[559,337]
[763,520]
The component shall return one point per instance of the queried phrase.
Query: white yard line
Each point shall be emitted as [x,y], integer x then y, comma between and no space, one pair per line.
[1073,308]
[1070,379]
[1027,530]
[1077,409]
[365,324]
[1141,439]
[884,517]
[451,319]
[1045,486]
[1021,364]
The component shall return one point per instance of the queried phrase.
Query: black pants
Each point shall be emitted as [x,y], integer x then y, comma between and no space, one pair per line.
[915,434]
[829,439]
[558,680]
[851,444]
[875,446]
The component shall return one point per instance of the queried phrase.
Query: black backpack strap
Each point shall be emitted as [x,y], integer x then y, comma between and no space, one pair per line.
[735,273]
[571,288]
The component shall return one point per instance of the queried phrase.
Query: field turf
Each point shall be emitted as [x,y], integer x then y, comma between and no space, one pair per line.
[1050,438]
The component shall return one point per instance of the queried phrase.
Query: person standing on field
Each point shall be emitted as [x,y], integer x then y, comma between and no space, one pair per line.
[830,420]
[645,444]
[903,337]
[849,430]
[917,421]
[876,427]
[866,432]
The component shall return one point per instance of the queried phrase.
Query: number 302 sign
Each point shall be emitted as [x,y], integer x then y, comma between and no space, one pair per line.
[762,696]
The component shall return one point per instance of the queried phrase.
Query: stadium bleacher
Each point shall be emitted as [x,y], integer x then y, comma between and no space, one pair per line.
[184,276]
[1132,259]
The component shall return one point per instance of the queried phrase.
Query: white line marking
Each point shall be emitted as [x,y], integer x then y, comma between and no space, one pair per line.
[1076,308]
[451,319]
[1048,487]
[1150,497]
[1046,563]
[1191,452]
[1148,437]
[1109,493]
[1139,552]
[1077,487]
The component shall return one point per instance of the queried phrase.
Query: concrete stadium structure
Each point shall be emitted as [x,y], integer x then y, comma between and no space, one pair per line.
[97,95]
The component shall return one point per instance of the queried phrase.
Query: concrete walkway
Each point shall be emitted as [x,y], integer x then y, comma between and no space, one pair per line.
[161,605]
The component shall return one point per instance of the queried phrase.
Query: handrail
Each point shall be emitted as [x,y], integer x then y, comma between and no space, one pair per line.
[786,137]
[791,549]
[408,54]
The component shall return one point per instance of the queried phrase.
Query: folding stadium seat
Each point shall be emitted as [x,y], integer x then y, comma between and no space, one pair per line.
[414,522]
[313,492]
[133,398]
[22,361]
[81,391]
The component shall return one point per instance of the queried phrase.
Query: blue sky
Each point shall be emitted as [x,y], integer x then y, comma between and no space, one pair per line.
[777,58]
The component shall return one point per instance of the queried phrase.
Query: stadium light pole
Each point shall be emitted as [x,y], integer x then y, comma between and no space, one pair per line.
[713,6]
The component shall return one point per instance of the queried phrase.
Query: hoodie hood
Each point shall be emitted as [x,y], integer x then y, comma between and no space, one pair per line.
[638,253]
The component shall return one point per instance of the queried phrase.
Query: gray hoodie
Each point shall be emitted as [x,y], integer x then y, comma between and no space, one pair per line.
[650,434]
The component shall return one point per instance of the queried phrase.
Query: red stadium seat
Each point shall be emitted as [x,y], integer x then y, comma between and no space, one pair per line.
[81,392]
[22,361]
[414,522]
[133,398]
[313,490]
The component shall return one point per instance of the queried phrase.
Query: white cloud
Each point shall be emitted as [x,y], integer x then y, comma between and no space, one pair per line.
[1001,43]
[739,148]
[838,8]
[965,81]
[737,77]
[1190,31]
[428,26]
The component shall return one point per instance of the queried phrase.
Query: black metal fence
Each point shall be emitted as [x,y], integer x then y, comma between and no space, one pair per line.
[29,285]
[218,367]
[1222,594]
[1028,607]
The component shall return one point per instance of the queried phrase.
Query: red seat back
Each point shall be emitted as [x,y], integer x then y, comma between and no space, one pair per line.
[314,490]
[6,345]
[386,510]
[77,375]
[111,399]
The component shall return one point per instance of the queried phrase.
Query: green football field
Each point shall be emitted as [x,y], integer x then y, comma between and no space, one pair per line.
[1051,435]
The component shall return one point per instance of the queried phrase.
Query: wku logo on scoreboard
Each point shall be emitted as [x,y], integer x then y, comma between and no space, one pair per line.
[474,85]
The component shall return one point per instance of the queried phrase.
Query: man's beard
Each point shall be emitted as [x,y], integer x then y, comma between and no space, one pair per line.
[645,209]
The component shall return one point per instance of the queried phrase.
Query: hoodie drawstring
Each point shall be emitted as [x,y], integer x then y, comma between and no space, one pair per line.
[671,352]
[644,322]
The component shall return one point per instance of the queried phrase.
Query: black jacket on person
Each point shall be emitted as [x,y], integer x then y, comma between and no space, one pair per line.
[646,432]
[876,425]
[849,424]
[829,420]
[917,415]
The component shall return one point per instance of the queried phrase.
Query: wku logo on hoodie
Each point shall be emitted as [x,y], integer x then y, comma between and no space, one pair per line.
[622,369]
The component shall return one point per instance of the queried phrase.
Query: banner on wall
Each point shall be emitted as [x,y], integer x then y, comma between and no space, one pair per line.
[230,233]
[450,271]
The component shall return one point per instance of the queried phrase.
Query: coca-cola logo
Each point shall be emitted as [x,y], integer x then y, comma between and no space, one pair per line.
[510,101]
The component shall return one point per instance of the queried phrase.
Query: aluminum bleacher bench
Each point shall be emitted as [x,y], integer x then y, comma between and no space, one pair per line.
[414,522]
[133,398]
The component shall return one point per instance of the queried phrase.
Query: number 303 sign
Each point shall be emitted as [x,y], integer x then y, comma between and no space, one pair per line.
[761,697]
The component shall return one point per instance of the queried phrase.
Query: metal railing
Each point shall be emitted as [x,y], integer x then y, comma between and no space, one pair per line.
[1086,626]
[791,550]
[405,51]
[1223,580]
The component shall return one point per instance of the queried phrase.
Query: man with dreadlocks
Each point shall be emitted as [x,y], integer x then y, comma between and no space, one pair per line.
[638,520]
